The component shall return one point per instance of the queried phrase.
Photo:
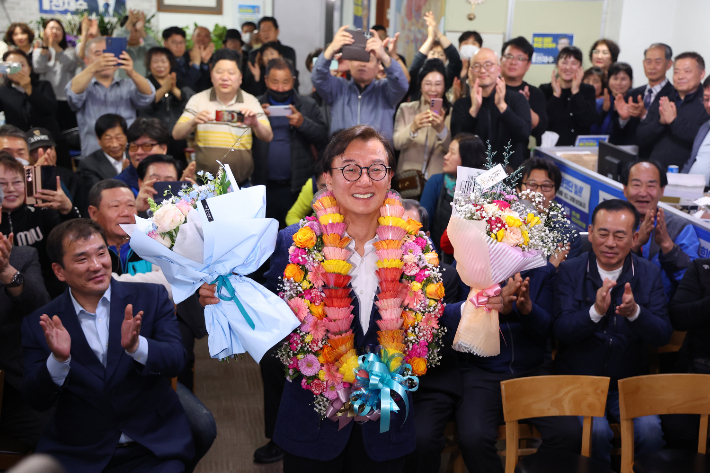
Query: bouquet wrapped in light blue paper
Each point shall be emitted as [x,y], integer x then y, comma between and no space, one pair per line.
[207,234]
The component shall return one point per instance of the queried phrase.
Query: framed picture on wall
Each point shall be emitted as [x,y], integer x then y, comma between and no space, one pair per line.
[213,7]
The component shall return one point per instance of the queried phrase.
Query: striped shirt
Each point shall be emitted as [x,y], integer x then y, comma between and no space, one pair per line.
[230,143]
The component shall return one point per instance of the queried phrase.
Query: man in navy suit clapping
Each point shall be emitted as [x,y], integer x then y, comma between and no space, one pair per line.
[105,356]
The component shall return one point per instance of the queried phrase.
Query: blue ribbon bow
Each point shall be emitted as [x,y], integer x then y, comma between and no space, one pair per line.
[223,283]
[375,389]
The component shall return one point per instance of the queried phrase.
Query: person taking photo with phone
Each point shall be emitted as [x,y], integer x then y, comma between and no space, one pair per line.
[422,129]
[218,135]
[361,99]
[95,91]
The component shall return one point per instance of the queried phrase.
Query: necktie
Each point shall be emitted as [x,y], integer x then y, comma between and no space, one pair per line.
[105,12]
[647,98]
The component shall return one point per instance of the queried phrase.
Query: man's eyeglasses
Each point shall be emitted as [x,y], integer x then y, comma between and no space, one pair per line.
[476,66]
[533,186]
[511,58]
[145,147]
[352,172]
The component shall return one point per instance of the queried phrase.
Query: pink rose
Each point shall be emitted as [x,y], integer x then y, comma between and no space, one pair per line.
[502,204]
[184,206]
[168,217]
[315,226]
[513,236]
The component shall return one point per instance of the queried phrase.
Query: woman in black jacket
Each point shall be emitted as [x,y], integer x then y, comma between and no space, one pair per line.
[690,312]
[170,96]
[571,104]
[28,103]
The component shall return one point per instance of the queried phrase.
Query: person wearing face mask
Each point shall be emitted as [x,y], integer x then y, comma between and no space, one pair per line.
[496,115]
[248,35]
[571,104]
[285,163]
[420,134]
[469,44]
[671,124]
[436,46]
[362,98]
[132,27]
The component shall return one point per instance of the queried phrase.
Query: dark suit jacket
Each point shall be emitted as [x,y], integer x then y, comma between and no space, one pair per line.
[97,404]
[27,111]
[14,309]
[300,430]
[672,144]
[499,129]
[94,168]
[627,134]
[699,138]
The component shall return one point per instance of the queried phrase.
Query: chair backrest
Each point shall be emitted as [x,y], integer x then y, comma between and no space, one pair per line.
[660,394]
[546,396]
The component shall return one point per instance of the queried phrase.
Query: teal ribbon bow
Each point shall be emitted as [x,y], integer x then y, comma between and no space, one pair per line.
[374,390]
[224,283]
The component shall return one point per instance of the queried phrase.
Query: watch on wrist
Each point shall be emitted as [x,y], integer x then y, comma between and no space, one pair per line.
[17,280]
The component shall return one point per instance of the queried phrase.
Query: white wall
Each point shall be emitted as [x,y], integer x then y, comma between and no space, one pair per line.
[305,35]
[228,18]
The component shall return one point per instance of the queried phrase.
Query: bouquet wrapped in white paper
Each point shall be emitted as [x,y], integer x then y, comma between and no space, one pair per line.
[209,235]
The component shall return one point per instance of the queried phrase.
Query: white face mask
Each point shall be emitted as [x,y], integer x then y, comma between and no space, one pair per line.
[467,51]
[246,37]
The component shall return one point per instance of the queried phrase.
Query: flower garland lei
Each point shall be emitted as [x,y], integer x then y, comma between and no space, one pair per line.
[317,287]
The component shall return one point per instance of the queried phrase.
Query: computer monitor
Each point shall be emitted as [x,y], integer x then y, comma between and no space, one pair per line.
[612,159]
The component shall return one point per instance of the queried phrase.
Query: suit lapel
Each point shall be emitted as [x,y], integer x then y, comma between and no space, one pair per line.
[105,168]
[80,349]
[118,306]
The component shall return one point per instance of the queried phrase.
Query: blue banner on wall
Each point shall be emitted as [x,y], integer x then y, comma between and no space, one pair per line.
[548,45]
[62,7]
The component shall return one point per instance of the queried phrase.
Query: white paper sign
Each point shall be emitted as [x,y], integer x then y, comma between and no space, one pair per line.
[465,178]
[491,177]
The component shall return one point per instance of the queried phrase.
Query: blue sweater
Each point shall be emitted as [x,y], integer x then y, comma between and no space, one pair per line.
[350,106]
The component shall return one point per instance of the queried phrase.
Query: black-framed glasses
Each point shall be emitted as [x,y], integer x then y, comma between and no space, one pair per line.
[352,172]
[533,186]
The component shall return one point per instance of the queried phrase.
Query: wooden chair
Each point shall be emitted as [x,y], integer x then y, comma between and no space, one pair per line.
[661,394]
[546,396]
[11,451]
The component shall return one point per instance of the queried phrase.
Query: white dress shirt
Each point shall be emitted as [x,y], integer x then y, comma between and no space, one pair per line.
[364,279]
[96,330]
[613,276]
[702,160]
[117,164]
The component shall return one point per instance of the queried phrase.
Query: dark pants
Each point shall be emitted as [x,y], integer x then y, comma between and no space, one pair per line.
[274,377]
[353,459]
[18,420]
[432,411]
[279,200]
[187,375]
[201,422]
[481,412]
[135,458]
[680,431]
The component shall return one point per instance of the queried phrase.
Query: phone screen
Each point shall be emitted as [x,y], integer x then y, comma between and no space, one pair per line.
[172,188]
[49,177]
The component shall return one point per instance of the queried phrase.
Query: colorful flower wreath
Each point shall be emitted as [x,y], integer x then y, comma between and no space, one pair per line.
[317,287]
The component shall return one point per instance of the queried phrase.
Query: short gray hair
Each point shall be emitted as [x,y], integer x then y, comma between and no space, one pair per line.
[93,41]
[668,52]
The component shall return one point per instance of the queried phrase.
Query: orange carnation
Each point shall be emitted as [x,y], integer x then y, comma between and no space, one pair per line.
[418,366]
[410,318]
[305,238]
[293,271]
[328,355]
[435,291]
[317,310]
